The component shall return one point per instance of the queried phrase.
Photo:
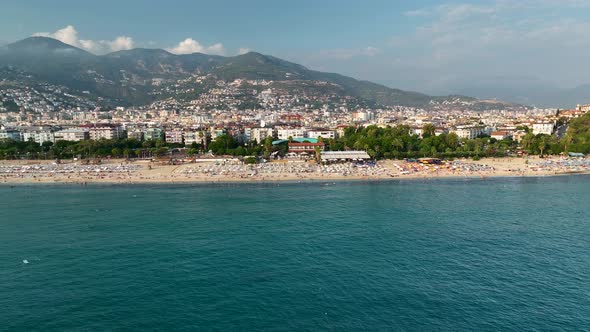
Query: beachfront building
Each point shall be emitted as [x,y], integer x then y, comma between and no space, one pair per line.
[72,134]
[259,134]
[195,136]
[500,135]
[305,147]
[174,136]
[469,132]
[543,128]
[37,134]
[290,132]
[334,156]
[11,134]
[323,133]
[152,134]
[104,131]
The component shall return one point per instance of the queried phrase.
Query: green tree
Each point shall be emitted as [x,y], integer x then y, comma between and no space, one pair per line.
[452,140]
[428,130]
[116,152]
[318,154]
[528,142]
[267,147]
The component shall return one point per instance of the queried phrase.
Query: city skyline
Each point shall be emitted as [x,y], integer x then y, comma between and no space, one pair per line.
[434,47]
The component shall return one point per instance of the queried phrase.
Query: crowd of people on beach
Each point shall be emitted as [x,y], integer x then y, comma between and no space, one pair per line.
[235,170]
[444,168]
[562,165]
[65,170]
[286,169]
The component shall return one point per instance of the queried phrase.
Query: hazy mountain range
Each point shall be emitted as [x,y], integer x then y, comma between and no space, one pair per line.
[128,76]
[526,90]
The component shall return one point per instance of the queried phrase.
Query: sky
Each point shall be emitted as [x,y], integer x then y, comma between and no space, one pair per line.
[430,46]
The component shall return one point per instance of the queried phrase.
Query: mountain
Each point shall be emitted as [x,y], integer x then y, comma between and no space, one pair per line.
[34,46]
[128,77]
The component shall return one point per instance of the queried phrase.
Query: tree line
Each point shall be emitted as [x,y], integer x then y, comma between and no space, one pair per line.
[395,142]
[398,142]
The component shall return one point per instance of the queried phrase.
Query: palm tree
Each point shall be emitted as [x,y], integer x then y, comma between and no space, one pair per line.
[543,142]
[527,141]
[428,130]
[569,139]
[318,154]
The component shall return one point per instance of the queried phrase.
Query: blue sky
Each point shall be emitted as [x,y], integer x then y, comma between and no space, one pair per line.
[429,46]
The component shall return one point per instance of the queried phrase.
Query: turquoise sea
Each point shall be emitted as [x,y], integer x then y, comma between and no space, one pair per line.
[508,254]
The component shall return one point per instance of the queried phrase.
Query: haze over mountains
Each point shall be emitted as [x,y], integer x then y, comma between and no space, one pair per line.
[127,76]
[527,91]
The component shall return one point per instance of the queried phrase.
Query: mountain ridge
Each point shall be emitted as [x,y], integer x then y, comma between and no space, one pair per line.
[126,75]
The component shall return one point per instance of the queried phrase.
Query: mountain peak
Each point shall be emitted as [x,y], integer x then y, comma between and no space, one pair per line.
[126,75]
[41,45]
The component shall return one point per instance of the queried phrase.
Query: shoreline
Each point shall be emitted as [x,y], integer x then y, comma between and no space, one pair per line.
[316,180]
[267,182]
[117,172]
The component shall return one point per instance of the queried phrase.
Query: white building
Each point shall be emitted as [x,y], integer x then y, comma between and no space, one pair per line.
[326,134]
[260,134]
[469,132]
[543,128]
[416,130]
[292,132]
[38,134]
[174,136]
[72,134]
[362,116]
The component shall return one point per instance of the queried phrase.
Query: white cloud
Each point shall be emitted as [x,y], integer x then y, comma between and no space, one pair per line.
[69,35]
[243,50]
[465,40]
[189,46]
[121,43]
[461,43]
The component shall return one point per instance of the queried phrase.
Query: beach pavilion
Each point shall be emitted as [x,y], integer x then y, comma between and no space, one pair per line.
[333,156]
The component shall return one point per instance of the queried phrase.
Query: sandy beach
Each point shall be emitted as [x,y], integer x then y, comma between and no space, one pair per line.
[121,171]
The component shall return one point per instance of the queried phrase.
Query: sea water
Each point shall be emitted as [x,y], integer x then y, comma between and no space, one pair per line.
[472,255]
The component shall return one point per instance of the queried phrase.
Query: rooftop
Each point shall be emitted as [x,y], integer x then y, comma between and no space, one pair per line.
[296,140]
[343,155]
